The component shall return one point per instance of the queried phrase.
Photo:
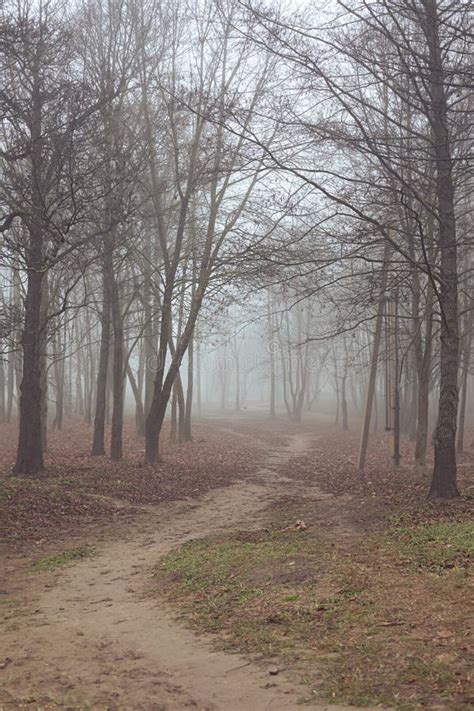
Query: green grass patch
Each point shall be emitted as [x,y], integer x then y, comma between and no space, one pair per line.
[67,557]
[8,602]
[372,625]
[435,545]
[246,574]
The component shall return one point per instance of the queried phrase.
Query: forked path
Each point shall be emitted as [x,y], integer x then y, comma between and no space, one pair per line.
[96,641]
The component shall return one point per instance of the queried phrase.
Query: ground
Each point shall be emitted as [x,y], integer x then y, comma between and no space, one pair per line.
[190,585]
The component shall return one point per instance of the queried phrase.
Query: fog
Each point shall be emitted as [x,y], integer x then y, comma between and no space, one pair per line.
[236,374]
[230,207]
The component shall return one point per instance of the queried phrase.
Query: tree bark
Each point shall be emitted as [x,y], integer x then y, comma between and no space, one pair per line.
[10,386]
[98,442]
[163,384]
[43,363]
[198,377]
[344,412]
[2,391]
[422,424]
[117,372]
[373,363]
[139,410]
[466,358]
[188,435]
[272,374]
[444,478]
[29,458]
[58,367]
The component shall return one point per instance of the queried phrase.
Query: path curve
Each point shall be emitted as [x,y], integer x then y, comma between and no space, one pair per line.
[97,642]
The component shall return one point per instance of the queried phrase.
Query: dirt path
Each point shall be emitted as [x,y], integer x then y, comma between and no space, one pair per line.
[96,641]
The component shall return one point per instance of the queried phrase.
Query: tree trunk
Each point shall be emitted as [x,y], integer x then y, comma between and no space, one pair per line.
[79,389]
[396,387]
[29,458]
[272,382]
[422,424]
[345,419]
[466,357]
[3,410]
[58,367]
[139,410]
[237,382]
[98,442]
[117,373]
[163,385]
[181,408]
[198,378]
[413,409]
[59,414]
[373,363]
[174,415]
[376,410]
[149,335]
[43,364]
[89,388]
[188,435]
[10,386]
[68,398]
[443,483]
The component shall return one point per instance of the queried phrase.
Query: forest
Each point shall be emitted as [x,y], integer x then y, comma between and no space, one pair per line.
[236,329]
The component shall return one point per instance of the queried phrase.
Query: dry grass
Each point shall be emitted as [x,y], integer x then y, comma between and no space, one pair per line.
[382,621]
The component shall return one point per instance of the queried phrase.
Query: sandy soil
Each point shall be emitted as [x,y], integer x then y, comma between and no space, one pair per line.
[89,636]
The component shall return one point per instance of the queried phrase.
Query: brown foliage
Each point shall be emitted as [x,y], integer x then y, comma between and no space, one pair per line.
[76,489]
